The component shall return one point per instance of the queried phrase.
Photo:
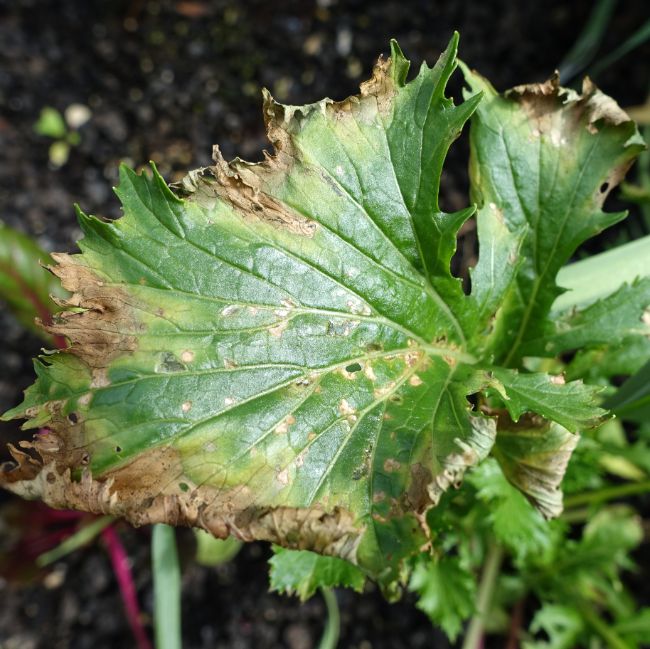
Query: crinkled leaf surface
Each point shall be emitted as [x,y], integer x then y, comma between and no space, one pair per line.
[543,160]
[533,454]
[282,353]
[573,405]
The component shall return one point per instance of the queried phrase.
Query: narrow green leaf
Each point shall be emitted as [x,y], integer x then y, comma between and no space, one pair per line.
[632,400]
[24,284]
[167,588]
[586,46]
[86,533]
[638,38]
[598,276]
[332,630]
[302,573]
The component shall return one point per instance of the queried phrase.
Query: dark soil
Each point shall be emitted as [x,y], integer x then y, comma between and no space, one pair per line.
[164,81]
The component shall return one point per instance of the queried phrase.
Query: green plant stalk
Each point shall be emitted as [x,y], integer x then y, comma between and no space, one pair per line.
[167,588]
[607,493]
[578,515]
[613,640]
[637,39]
[84,535]
[491,571]
[330,637]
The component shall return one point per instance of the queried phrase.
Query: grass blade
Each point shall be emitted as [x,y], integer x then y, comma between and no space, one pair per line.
[585,48]
[80,538]
[637,39]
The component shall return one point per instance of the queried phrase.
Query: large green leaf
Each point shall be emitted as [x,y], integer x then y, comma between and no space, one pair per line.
[282,353]
[543,160]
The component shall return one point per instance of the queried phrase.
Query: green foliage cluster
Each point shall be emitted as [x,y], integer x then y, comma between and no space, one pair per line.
[280,351]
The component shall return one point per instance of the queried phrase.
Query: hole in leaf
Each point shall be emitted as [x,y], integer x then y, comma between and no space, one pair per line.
[72,418]
[374,347]
[183,486]
[118,449]
[604,187]
[353,367]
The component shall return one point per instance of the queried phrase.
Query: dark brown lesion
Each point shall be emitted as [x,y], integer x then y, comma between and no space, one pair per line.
[98,318]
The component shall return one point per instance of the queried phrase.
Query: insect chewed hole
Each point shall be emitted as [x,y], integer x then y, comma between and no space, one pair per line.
[183,486]
[118,449]
[353,367]
[72,418]
[604,187]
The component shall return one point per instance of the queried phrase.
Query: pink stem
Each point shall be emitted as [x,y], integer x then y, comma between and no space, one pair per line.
[122,571]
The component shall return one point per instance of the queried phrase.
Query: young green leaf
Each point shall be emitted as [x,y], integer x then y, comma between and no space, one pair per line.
[561,623]
[446,592]
[514,521]
[302,573]
[572,405]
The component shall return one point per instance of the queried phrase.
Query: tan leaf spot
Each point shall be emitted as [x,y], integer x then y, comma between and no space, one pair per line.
[391,465]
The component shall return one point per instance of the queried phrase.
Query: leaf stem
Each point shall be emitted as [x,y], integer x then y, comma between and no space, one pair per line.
[330,636]
[607,493]
[124,576]
[491,569]
[611,638]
